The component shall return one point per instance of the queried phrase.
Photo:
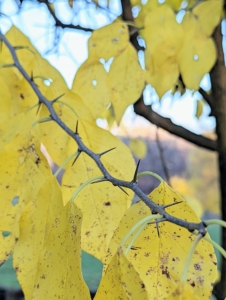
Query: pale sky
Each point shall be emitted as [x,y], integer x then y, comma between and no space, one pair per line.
[72,52]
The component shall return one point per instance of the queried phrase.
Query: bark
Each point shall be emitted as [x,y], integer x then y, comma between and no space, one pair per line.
[218,80]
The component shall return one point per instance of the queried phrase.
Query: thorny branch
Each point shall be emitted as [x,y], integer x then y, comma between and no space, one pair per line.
[97,157]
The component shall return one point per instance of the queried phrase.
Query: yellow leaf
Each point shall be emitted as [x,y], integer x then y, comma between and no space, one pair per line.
[108,41]
[184,291]
[199,108]
[102,204]
[197,55]
[144,11]
[163,36]
[121,281]
[21,94]
[23,170]
[174,4]
[70,108]
[160,260]
[5,101]
[138,147]
[208,14]
[91,85]
[51,260]
[126,80]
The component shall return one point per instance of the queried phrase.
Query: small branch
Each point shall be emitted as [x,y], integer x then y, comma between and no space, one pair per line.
[209,99]
[59,23]
[96,157]
[162,158]
[147,112]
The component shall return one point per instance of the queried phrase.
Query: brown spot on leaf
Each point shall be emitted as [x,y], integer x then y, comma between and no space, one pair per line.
[197,267]
[192,284]
[7,187]
[107,203]
[87,233]
[22,96]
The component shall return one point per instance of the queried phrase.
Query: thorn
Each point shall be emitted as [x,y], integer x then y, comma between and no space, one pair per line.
[171,204]
[79,152]
[136,171]
[157,227]
[39,106]
[102,153]
[122,190]
[101,180]
[54,100]
[76,129]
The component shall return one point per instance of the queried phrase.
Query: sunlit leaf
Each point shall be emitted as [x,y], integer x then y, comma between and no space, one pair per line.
[126,80]
[102,204]
[163,36]
[160,260]
[108,41]
[197,55]
[23,170]
[90,84]
[184,291]
[208,14]
[51,260]
[121,281]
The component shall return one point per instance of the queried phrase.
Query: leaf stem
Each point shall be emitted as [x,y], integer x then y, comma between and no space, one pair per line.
[72,109]
[30,108]
[84,184]
[64,163]
[217,246]
[215,222]
[140,224]
[189,257]
[151,174]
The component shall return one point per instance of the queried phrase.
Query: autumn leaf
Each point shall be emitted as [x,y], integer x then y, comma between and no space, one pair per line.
[208,14]
[23,170]
[160,260]
[102,204]
[121,280]
[47,259]
[197,55]
[163,36]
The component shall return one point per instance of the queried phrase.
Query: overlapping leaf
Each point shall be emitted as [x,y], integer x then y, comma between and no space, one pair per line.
[163,36]
[197,55]
[23,170]
[108,41]
[160,260]
[126,80]
[102,204]
[123,84]
[208,14]
[51,260]
[121,281]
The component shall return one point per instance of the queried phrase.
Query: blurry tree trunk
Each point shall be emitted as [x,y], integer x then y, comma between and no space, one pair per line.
[218,81]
